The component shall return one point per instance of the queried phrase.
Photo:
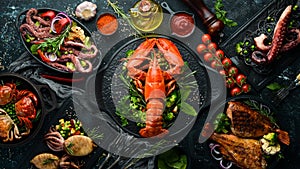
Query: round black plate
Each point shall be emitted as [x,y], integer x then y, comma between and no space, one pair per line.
[110,68]
[259,105]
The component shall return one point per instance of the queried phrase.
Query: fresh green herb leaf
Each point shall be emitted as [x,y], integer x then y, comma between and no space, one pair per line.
[172,159]
[221,14]
[53,44]
[222,123]
[274,86]
[188,109]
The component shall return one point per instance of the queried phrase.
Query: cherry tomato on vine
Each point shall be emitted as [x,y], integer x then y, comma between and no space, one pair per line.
[240,79]
[208,57]
[229,83]
[215,64]
[233,71]
[235,91]
[220,54]
[223,72]
[212,46]
[246,88]
[206,38]
[226,62]
[201,48]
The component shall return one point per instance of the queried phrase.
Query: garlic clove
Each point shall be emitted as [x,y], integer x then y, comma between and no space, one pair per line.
[86,10]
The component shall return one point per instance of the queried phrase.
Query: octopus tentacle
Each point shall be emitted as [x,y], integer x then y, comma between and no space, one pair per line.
[31,12]
[293,43]
[42,21]
[84,55]
[78,65]
[66,164]
[39,34]
[89,55]
[60,66]
[259,42]
[279,33]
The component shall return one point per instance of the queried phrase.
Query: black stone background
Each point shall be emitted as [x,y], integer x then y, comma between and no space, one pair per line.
[241,11]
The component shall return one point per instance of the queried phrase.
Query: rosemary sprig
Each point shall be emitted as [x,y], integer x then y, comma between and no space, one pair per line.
[69,148]
[49,160]
[122,14]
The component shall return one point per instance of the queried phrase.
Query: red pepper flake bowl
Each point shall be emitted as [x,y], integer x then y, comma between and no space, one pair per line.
[107,23]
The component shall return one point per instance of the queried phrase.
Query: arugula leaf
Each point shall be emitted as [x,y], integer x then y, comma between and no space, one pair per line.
[274,86]
[188,109]
[221,14]
[51,44]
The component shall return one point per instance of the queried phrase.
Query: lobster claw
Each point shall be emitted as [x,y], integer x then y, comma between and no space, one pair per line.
[138,57]
[171,54]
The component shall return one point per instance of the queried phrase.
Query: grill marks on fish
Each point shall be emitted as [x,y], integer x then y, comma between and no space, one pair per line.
[246,153]
[248,123]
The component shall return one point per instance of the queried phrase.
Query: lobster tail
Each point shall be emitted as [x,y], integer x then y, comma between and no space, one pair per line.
[283,136]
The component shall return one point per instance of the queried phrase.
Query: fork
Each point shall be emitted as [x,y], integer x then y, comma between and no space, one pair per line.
[282,93]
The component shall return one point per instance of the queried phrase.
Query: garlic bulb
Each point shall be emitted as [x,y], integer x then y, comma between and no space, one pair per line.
[86,10]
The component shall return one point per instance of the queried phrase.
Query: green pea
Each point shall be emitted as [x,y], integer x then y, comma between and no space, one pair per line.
[295,7]
[247,43]
[28,40]
[245,51]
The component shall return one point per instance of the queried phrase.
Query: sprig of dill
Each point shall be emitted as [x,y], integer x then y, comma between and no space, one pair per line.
[123,15]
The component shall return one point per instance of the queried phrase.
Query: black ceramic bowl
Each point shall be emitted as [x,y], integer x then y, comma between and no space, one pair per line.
[25,84]
[21,19]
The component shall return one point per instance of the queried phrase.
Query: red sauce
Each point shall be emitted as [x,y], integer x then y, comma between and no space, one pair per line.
[182,24]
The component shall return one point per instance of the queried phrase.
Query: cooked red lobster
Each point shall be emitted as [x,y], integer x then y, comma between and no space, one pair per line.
[155,89]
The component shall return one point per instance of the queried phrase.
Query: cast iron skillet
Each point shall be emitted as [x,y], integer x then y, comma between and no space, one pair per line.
[272,162]
[109,68]
[95,61]
[24,83]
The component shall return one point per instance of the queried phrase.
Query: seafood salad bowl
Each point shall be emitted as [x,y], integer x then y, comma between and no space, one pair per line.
[22,109]
[58,41]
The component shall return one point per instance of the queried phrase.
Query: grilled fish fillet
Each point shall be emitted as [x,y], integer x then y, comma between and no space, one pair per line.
[248,123]
[245,153]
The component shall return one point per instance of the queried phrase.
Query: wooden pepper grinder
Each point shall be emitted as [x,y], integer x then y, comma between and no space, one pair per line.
[210,21]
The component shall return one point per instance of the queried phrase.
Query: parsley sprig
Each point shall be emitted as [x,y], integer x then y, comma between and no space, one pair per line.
[221,14]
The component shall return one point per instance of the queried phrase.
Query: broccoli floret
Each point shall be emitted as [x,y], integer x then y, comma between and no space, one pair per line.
[170,116]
